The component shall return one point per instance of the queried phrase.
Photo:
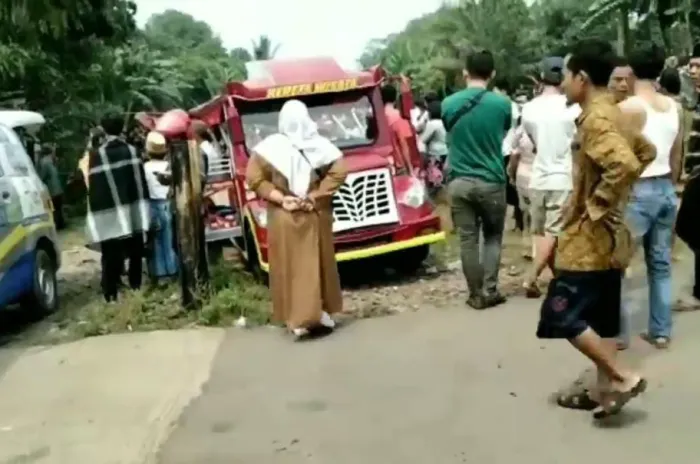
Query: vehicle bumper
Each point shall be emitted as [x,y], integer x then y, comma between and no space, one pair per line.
[377,241]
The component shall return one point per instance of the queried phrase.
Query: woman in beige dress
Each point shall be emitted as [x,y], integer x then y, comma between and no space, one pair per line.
[297,171]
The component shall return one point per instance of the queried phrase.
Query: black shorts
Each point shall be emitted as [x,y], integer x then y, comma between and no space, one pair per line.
[577,300]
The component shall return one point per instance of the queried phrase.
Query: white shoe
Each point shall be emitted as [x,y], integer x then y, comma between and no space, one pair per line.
[300,332]
[327,320]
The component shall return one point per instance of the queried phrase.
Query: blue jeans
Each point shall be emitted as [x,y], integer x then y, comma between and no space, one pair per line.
[163,258]
[651,214]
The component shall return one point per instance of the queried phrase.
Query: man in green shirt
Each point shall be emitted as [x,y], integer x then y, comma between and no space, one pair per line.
[49,175]
[477,120]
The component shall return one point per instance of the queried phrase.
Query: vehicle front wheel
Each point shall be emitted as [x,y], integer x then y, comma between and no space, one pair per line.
[253,262]
[43,297]
[409,261]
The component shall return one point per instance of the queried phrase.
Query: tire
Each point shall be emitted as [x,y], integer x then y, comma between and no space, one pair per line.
[410,260]
[43,298]
[253,261]
[215,253]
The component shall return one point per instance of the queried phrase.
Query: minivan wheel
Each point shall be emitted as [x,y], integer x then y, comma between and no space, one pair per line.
[43,298]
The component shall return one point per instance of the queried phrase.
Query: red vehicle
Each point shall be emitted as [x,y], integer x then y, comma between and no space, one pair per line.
[382,209]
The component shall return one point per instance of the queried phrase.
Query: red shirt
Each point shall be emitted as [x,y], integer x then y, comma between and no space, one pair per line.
[400,126]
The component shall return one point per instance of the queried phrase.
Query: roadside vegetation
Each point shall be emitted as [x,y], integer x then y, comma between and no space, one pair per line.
[230,295]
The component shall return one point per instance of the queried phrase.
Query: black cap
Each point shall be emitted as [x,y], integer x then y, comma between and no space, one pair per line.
[696,51]
[552,70]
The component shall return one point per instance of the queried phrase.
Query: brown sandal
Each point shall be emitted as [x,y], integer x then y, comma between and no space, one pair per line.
[531,290]
[616,400]
[580,401]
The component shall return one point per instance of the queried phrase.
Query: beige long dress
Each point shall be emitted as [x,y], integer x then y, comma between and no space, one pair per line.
[303,272]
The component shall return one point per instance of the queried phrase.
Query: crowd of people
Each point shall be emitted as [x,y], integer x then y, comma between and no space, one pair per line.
[592,165]
[596,158]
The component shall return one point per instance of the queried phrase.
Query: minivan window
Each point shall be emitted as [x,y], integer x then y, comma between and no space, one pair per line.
[4,148]
[15,156]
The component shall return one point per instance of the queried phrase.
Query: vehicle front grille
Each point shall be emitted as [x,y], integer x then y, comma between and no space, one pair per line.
[365,199]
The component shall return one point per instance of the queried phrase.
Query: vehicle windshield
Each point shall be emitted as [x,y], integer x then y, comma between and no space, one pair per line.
[345,118]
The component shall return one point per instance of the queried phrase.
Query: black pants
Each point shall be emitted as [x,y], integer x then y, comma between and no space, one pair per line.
[696,286]
[58,218]
[113,254]
[513,199]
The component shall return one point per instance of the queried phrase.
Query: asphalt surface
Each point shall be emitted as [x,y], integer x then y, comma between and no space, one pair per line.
[450,386]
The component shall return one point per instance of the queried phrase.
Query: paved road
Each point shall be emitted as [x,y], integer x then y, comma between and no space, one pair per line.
[436,386]
[452,386]
[103,400]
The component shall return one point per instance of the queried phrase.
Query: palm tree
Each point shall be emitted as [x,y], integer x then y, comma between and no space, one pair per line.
[263,48]
[669,15]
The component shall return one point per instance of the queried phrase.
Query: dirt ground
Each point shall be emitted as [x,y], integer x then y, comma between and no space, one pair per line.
[369,291]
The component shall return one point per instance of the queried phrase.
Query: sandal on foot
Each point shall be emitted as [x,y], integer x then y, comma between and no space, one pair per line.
[531,290]
[616,400]
[660,343]
[580,401]
[682,306]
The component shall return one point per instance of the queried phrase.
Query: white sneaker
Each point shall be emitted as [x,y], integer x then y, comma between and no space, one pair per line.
[300,332]
[327,320]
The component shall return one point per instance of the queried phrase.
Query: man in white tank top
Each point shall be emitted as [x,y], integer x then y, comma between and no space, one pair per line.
[651,210]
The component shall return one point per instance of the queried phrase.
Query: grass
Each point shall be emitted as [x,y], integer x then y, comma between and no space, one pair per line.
[230,295]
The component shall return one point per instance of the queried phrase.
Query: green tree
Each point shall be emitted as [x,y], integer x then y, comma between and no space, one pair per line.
[174,32]
[196,54]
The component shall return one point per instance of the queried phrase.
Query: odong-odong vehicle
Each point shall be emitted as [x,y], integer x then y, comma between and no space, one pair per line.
[381,210]
[29,252]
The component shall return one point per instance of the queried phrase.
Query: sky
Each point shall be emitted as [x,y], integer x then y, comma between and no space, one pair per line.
[303,28]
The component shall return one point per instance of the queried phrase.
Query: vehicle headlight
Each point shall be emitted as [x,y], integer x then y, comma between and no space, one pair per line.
[415,195]
[260,216]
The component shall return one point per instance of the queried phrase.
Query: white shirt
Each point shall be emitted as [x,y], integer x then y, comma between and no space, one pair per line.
[419,118]
[156,190]
[209,150]
[660,129]
[434,138]
[550,123]
[509,139]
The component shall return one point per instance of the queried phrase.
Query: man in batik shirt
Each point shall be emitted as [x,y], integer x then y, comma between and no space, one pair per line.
[583,300]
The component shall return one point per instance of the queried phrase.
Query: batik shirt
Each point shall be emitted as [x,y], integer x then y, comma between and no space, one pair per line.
[608,157]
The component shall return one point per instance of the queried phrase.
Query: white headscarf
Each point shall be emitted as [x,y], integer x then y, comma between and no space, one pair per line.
[298,148]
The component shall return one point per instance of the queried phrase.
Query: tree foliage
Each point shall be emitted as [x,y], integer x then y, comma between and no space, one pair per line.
[432,49]
[71,60]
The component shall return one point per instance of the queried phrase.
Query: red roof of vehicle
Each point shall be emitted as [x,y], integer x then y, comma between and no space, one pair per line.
[288,78]
[266,75]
